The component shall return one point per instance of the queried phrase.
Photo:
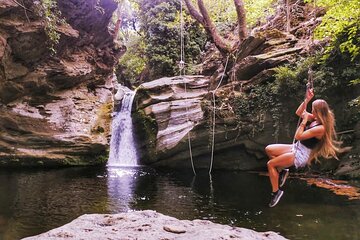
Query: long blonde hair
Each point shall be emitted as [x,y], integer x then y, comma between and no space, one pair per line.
[328,146]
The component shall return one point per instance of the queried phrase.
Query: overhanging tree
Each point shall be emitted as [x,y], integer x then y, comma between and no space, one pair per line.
[202,16]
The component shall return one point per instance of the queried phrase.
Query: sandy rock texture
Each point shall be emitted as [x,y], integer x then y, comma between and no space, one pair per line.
[148,225]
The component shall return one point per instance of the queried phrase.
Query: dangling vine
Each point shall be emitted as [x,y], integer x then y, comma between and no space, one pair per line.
[48,10]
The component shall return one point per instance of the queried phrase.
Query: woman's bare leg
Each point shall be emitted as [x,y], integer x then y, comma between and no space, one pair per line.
[283,161]
[274,150]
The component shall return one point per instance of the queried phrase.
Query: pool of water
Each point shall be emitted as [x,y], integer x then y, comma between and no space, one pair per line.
[34,201]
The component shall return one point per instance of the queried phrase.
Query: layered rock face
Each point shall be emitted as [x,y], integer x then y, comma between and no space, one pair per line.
[167,110]
[54,109]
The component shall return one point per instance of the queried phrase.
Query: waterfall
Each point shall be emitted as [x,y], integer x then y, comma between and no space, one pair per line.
[122,143]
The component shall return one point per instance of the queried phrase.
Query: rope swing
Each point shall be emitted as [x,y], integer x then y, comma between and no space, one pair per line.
[181,74]
[214,115]
[309,85]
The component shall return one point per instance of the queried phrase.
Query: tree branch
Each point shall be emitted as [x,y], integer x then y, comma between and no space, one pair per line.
[241,15]
[193,12]
[220,43]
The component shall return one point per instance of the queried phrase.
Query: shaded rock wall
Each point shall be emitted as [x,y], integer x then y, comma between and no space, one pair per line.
[55,108]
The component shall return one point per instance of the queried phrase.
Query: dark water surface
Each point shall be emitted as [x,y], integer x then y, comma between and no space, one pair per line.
[32,202]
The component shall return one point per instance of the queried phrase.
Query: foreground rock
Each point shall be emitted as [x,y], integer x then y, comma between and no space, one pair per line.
[148,225]
[54,109]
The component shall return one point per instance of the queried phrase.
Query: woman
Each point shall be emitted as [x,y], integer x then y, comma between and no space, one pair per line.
[316,139]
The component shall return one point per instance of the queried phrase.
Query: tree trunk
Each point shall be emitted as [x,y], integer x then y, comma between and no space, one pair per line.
[204,19]
[117,28]
[241,15]
[287,15]
[193,12]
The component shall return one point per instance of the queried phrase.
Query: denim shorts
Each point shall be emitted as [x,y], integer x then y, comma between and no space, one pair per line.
[301,153]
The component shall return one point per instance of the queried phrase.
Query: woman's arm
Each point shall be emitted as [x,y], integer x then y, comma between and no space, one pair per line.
[300,110]
[301,134]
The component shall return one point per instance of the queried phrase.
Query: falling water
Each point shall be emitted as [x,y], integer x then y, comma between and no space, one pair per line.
[122,144]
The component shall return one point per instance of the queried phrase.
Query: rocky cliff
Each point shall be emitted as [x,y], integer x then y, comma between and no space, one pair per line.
[169,111]
[167,104]
[54,108]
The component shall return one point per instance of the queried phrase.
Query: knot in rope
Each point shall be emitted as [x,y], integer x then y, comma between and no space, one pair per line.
[181,65]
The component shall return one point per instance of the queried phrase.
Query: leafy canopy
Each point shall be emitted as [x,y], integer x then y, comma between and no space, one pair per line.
[341,17]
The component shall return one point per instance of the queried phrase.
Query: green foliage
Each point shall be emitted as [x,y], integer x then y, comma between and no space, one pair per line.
[346,42]
[254,105]
[223,12]
[258,10]
[289,79]
[158,29]
[155,44]
[278,96]
[355,81]
[162,37]
[341,24]
[134,61]
[334,81]
[51,15]
[146,128]
[126,12]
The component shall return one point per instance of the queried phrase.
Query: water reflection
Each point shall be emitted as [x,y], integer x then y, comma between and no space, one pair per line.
[120,187]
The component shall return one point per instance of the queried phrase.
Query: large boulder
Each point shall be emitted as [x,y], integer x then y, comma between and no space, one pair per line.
[55,108]
[148,225]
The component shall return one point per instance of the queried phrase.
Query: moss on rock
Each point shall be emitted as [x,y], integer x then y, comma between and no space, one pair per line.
[146,129]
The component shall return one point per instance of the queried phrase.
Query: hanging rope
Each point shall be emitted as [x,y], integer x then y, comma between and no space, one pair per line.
[214,115]
[182,46]
[309,85]
[182,73]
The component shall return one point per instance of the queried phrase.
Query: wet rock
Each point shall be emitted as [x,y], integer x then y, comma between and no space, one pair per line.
[349,167]
[148,225]
[119,94]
